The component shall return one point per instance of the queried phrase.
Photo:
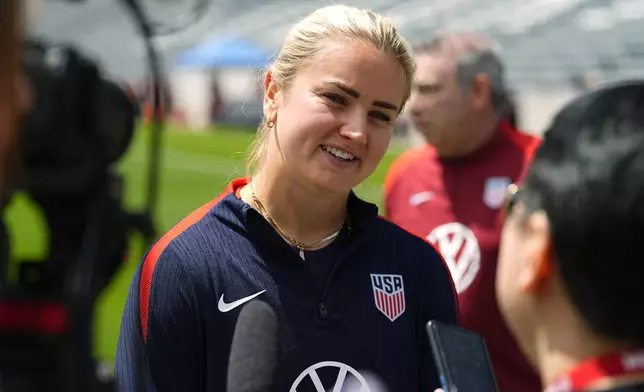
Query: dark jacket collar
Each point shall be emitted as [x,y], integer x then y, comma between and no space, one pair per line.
[233,211]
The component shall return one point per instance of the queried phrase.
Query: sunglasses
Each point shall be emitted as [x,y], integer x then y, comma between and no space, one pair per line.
[512,197]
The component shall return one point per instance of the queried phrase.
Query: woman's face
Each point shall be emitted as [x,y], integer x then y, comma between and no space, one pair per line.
[333,125]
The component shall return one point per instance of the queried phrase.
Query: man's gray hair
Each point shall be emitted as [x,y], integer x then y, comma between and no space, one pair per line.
[474,55]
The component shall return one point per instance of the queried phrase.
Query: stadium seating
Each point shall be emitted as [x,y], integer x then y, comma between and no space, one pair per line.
[271,29]
[595,35]
[545,42]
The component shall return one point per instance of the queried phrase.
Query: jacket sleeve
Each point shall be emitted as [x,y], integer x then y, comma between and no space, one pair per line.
[441,300]
[158,348]
[439,303]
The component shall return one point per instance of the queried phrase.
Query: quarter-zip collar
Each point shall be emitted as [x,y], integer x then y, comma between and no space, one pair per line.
[361,215]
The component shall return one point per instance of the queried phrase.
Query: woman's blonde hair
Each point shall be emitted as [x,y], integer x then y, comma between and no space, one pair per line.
[309,36]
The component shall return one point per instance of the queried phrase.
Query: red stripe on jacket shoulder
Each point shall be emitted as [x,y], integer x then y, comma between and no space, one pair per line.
[151,259]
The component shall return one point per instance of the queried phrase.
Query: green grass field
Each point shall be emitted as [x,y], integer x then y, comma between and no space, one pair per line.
[196,167]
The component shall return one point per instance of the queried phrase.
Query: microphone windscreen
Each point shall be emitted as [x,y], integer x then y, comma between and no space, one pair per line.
[254,351]
[371,382]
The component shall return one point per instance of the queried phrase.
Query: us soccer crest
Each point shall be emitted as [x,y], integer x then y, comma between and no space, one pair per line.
[389,295]
[495,190]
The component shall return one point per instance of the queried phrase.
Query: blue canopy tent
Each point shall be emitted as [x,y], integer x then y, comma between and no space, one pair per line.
[225,52]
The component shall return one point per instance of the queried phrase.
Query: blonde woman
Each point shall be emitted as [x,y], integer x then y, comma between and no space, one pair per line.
[352,292]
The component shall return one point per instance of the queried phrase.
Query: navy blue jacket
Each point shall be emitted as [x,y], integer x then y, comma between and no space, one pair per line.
[360,304]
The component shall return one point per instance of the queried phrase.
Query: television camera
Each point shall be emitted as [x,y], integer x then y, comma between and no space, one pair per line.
[79,126]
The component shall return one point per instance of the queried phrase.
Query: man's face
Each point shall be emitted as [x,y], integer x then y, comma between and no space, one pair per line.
[438,104]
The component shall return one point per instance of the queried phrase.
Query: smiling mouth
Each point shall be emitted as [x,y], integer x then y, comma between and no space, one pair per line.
[338,154]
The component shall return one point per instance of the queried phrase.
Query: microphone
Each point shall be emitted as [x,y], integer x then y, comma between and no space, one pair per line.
[372,383]
[254,350]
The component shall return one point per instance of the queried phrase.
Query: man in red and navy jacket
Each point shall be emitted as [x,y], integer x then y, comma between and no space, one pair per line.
[451,189]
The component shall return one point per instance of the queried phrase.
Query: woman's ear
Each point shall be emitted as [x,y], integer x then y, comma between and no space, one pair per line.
[270,97]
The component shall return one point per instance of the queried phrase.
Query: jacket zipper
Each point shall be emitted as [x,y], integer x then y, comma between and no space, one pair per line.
[323,308]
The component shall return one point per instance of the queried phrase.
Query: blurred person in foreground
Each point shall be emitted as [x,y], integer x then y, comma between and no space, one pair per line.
[14,100]
[571,264]
[451,189]
[352,292]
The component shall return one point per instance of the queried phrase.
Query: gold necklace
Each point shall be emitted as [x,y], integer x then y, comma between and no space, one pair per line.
[302,246]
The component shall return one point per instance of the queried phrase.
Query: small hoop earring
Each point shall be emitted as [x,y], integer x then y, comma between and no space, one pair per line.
[270,124]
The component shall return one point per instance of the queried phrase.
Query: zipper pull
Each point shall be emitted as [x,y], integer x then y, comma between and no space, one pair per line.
[323,310]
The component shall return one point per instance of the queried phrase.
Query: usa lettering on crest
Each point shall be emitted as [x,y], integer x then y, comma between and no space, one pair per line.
[389,294]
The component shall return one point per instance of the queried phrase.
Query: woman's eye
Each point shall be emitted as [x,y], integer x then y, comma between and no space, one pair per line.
[336,98]
[340,100]
[381,116]
[427,89]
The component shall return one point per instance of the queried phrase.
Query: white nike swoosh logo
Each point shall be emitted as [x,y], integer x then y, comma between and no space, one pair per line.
[419,198]
[224,307]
